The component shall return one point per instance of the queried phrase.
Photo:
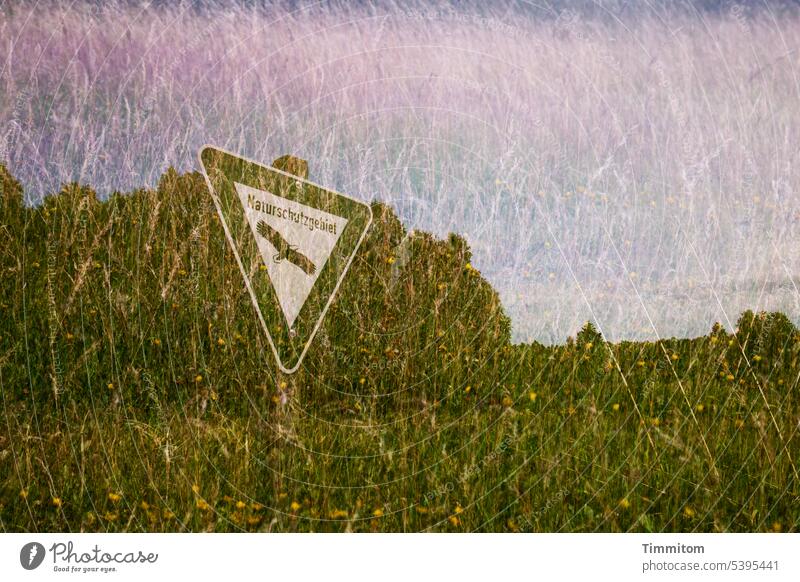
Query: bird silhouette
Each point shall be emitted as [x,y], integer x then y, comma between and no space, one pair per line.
[285,250]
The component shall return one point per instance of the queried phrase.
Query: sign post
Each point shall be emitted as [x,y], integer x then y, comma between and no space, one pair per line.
[293,241]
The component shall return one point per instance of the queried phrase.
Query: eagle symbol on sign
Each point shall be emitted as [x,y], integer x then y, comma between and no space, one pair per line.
[285,250]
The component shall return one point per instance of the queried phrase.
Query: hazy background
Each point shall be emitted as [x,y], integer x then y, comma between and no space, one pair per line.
[638,167]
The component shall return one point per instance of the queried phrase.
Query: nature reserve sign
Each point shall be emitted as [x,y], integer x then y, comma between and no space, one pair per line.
[293,241]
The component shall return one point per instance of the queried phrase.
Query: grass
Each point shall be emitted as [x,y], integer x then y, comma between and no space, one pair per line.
[139,395]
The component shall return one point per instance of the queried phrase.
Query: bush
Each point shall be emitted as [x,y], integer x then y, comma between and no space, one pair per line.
[141,292]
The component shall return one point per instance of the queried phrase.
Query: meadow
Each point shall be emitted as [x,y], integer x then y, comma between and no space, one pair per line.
[138,393]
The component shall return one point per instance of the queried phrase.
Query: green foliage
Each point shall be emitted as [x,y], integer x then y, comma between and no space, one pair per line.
[589,335]
[131,364]
[764,332]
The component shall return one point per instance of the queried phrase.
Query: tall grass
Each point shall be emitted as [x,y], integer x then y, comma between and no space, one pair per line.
[641,172]
[137,394]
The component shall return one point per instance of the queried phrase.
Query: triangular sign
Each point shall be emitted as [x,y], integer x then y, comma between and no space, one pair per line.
[293,241]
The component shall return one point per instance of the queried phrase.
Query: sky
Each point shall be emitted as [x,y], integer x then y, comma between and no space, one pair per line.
[637,171]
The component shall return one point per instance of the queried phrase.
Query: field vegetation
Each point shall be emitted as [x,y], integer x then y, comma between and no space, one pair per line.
[138,394]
